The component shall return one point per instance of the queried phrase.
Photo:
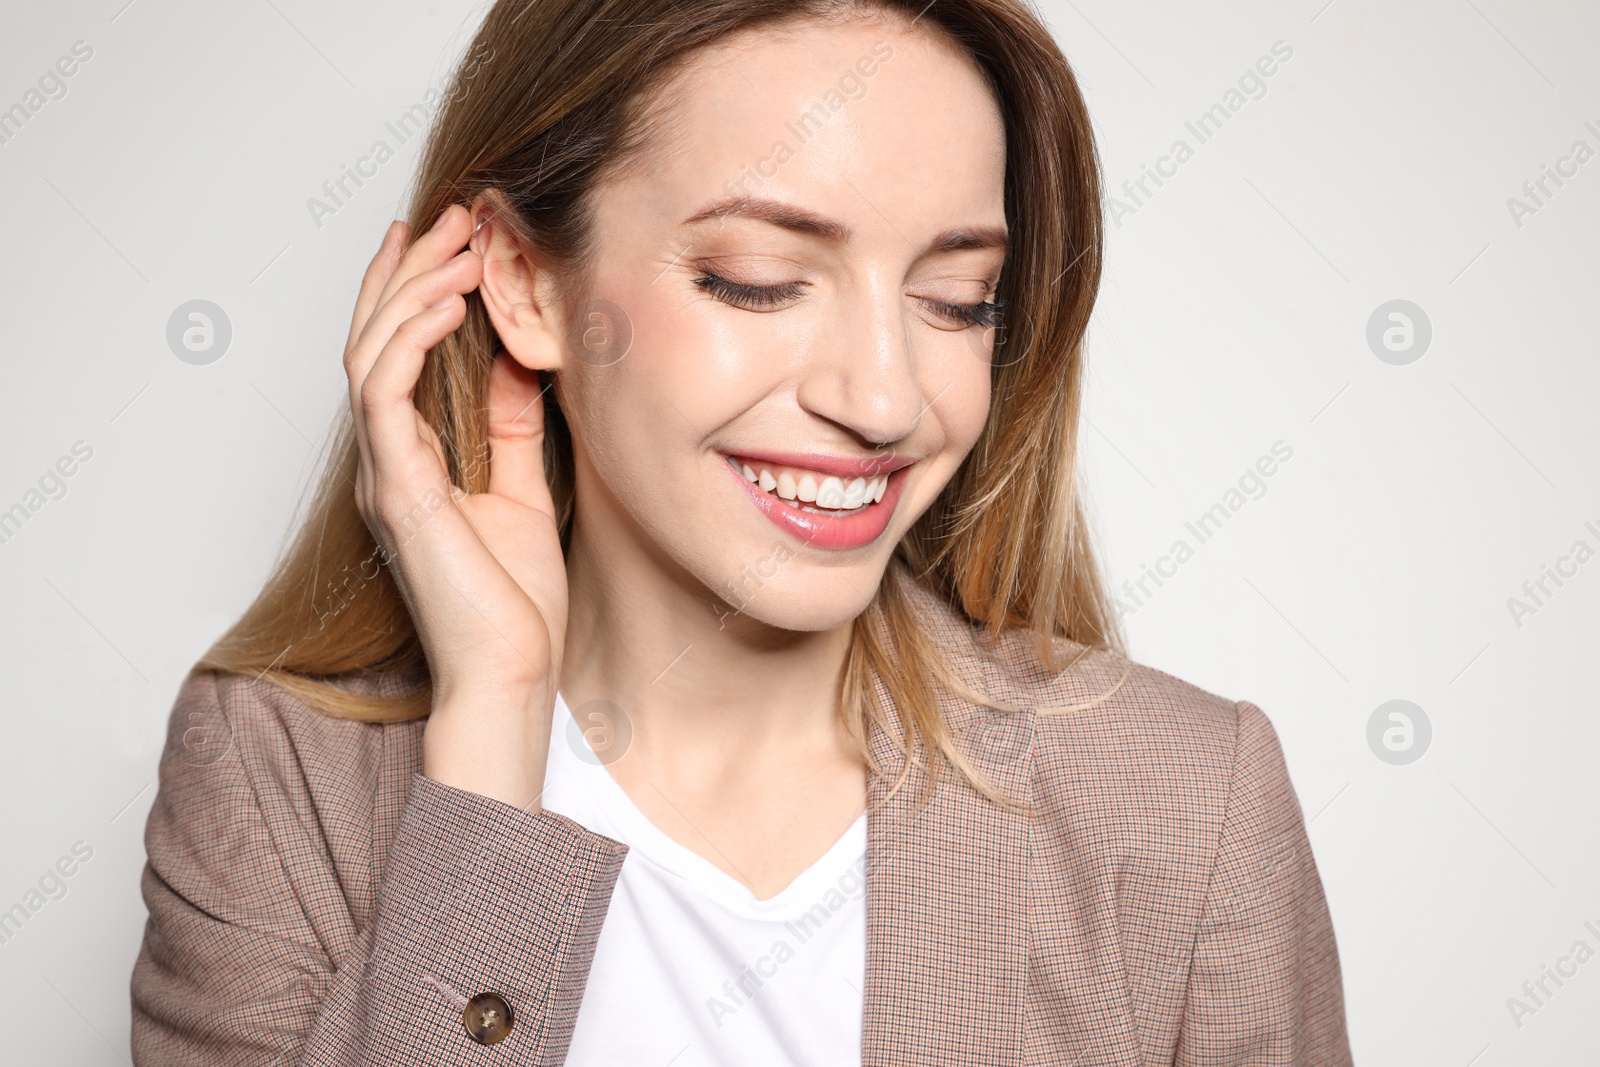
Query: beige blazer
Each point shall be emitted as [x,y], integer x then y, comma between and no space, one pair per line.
[314,900]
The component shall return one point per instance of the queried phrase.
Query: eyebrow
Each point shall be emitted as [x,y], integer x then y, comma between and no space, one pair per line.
[799,220]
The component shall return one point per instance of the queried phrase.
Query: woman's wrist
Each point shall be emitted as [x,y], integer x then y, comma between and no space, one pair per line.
[493,744]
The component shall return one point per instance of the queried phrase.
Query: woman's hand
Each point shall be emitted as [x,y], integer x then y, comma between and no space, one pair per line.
[482,574]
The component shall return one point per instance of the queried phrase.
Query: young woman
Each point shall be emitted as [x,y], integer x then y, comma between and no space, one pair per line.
[694,654]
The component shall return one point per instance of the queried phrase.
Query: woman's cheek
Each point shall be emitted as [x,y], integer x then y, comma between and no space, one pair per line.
[960,399]
[740,354]
[644,420]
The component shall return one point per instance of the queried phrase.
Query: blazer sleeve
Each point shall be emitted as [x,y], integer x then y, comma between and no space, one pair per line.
[1264,984]
[243,962]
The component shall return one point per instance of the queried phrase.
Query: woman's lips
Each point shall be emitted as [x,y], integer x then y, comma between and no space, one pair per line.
[821,463]
[821,508]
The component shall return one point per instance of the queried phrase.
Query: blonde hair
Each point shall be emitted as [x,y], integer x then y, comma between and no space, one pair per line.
[552,96]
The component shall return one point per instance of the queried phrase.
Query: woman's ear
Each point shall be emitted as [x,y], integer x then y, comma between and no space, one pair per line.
[518,292]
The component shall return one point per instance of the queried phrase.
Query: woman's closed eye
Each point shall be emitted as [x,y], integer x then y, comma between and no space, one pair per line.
[752,297]
[984,313]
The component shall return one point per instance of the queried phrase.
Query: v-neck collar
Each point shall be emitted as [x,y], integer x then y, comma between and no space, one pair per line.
[949,908]
[653,845]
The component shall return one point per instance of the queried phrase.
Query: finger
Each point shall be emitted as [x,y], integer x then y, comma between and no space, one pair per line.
[456,276]
[418,296]
[516,435]
[377,276]
[394,269]
[435,247]
[386,394]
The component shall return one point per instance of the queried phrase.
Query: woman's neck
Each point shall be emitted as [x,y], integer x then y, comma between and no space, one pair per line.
[735,747]
[699,680]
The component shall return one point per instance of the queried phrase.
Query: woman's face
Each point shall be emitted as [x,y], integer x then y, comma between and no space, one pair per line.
[785,356]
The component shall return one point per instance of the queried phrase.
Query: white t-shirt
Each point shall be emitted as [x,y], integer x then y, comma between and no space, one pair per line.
[691,970]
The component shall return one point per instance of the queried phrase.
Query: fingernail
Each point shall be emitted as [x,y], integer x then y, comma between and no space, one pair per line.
[449,298]
[442,216]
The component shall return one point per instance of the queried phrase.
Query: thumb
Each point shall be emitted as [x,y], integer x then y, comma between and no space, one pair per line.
[516,434]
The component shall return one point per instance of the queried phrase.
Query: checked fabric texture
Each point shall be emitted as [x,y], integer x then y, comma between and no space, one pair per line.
[315,901]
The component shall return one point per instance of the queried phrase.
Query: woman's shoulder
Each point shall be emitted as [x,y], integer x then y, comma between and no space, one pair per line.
[253,720]
[246,750]
[1101,721]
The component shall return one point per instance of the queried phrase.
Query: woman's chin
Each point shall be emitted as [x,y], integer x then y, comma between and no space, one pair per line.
[817,600]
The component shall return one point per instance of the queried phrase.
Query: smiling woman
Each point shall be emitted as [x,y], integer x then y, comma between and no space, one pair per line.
[732,544]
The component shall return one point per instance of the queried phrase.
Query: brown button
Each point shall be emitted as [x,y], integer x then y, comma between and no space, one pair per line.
[487,1018]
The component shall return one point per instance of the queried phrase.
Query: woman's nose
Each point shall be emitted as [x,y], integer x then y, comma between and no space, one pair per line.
[862,372]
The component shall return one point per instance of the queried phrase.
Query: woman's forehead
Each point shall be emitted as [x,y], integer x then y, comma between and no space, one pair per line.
[852,119]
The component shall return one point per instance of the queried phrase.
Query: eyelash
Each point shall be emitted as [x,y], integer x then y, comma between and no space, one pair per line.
[985,313]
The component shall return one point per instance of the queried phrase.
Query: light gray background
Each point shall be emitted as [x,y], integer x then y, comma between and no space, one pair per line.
[1377,566]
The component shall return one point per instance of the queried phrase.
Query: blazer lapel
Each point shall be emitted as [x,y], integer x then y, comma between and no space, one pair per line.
[947,922]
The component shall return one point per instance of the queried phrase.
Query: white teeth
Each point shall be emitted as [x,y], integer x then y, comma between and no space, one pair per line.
[825,491]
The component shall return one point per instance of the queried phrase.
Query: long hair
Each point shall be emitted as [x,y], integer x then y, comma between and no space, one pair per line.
[553,96]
